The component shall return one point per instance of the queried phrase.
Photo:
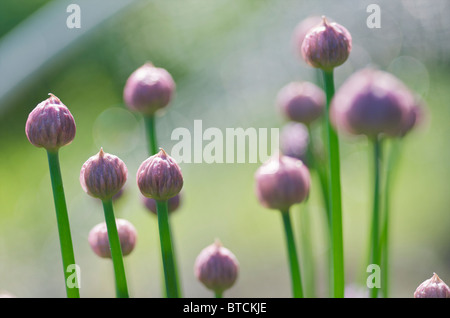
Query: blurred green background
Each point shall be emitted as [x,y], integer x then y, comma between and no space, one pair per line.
[229,58]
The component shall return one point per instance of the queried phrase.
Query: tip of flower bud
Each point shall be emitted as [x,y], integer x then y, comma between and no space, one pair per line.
[162,153]
[101,153]
[53,99]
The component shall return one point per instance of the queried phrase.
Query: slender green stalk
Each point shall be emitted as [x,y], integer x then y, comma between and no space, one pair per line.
[151,134]
[375,240]
[62,217]
[170,273]
[294,265]
[218,294]
[334,187]
[307,254]
[384,240]
[116,250]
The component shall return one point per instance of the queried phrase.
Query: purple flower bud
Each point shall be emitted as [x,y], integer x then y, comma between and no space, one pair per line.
[327,46]
[148,89]
[50,125]
[294,141]
[216,267]
[372,102]
[159,177]
[432,288]
[99,241]
[301,30]
[414,118]
[302,102]
[174,203]
[103,175]
[281,182]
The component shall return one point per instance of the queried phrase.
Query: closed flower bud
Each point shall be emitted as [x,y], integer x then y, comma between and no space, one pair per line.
[149,89]
[99,241]
[216,267]
[301,30]
[173,203]
[302,102]
[327,46]
[432,288]
[294,141]
[159,177]
[282,182]
[372,102]
[414,118]
[103,175]
[50,125]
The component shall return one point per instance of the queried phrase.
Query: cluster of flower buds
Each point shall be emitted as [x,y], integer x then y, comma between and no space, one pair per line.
[327,45]
[99,241]
[173,203]
[373,102]
[301,102]
[281,182]
[159,177]
[50,125]
[216,267]
[149,89]
[102,176]
[432,288]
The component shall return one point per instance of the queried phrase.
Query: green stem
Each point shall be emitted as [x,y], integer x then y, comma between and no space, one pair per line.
[307,255]
[292,255]
[151,134]
[218,294]
[375,240]
[62,217]
[384,240]
[334,187]
[116,250]
[170,273]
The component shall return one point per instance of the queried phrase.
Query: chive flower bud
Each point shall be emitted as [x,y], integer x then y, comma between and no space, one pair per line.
[159,177]
[149,89]
[173,203]
[216,267]
[372,102]
[294,141]
[99,241]
[327,46]
[50,125]
[301,30]
[103,175]
[302,102]
[432,288]
[281,182]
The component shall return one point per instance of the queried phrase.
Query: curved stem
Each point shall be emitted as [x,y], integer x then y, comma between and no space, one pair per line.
[151,134]
[334,187]
[116,250]
[170,273]
[296,279]
[384,240]
[62,217]
[375,240]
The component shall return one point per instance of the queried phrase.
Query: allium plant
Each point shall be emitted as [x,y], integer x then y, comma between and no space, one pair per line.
[432,288]
[375,104]
[217,268]
[282,182]
[50,126]
[148,90]
[326,47]
[99,240]
[160,178]
[102,176]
